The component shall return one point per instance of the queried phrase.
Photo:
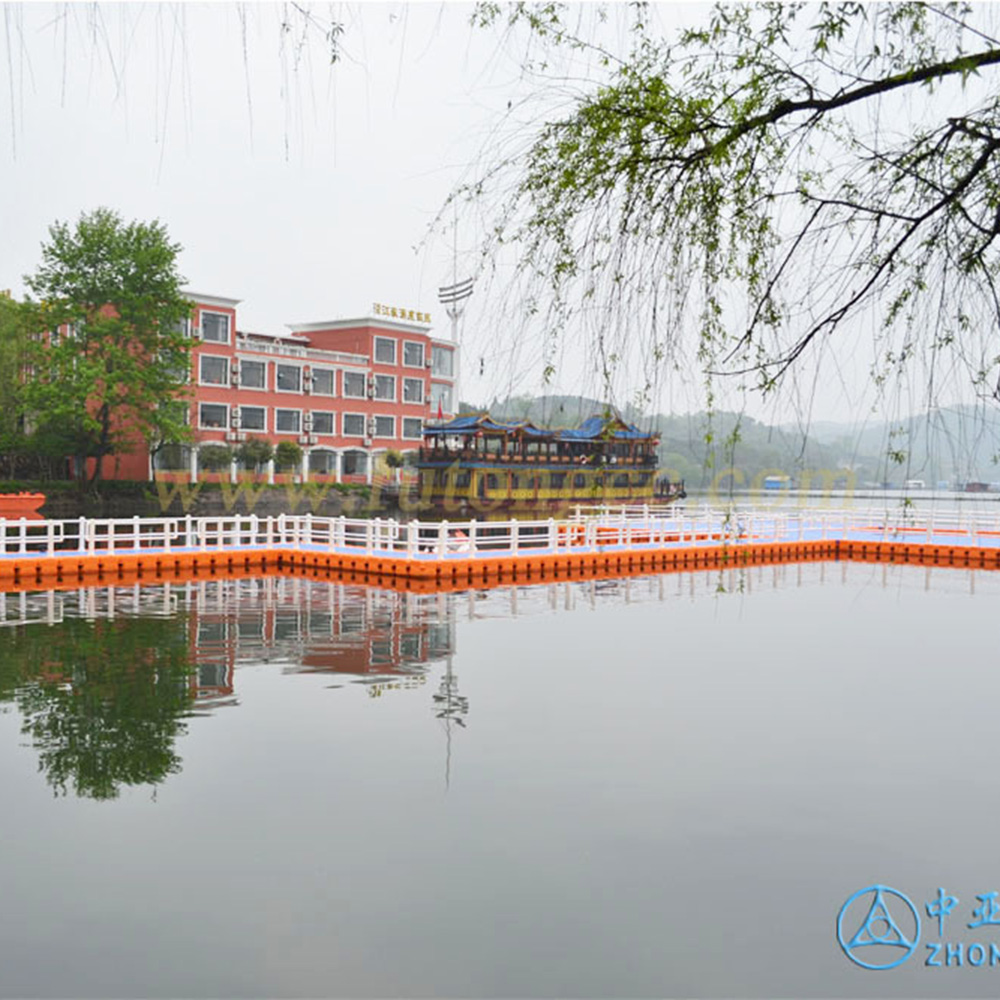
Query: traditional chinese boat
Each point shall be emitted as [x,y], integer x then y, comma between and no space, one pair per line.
[474,461]
[21,505]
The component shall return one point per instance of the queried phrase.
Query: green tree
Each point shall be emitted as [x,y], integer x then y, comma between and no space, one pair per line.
[288,455]
[103,386]
[15,344]
[764,179]
[255,453]
[394,461]
[215,457]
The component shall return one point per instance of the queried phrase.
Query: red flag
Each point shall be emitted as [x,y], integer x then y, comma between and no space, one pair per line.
[440,411]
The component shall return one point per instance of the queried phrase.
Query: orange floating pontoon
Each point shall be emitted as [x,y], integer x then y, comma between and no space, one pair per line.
[445,555]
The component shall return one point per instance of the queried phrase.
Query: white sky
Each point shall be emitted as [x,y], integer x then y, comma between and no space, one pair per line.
[302,188]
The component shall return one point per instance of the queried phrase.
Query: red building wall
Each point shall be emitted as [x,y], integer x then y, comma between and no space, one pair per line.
[342,387]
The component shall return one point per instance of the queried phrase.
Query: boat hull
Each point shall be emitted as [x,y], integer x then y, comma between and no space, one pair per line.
[16,505]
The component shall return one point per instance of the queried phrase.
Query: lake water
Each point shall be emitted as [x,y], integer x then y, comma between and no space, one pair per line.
[661,786]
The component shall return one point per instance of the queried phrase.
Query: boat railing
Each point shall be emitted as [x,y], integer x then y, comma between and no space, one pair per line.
[449,455]
[597,528]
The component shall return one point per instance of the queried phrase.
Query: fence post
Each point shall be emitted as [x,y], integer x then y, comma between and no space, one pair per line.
[412,535]
[514,534]
[24,535]
[472,536]
[442,538]
[552,534]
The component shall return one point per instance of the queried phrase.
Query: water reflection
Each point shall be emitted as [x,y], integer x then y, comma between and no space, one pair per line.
[104,678]
[101,701]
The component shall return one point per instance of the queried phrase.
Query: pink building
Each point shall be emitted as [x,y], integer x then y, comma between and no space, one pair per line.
[344,390]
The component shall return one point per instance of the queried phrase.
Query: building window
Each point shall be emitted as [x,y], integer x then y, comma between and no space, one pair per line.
[287,421]
[413,354]
[442,361]
[213,370]
[213,416]
[323,382]
[441,394]
[354,384]
[354,425]
[413,390]
[413,427]
[355,464]
[322,423]
[385,351]
[579,481]
[253,374]
[323,462]
[253,418]
[385,427]
[289,378]
[215,327]
[385,387]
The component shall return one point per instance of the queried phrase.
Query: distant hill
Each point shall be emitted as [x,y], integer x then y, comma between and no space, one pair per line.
[953,445]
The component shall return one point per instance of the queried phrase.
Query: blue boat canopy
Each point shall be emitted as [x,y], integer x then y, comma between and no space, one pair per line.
[595,428]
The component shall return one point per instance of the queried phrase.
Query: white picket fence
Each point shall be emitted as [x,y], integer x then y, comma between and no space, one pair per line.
[629,527]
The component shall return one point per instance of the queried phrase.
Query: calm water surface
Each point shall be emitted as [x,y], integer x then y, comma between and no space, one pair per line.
[663,786]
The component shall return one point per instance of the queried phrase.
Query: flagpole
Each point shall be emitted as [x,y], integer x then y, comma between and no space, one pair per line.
[454,297]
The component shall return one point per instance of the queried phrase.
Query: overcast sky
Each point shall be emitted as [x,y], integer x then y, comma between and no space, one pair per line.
[303,188]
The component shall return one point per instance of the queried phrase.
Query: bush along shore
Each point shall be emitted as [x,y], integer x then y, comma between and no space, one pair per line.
[122,498]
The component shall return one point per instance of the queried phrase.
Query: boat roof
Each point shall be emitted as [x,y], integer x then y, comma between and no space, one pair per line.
[595,428]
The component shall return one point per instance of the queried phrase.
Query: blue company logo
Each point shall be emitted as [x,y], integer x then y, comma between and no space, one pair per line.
[878,927]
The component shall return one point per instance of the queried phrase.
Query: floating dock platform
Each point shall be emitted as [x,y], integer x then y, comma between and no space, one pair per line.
[423,556]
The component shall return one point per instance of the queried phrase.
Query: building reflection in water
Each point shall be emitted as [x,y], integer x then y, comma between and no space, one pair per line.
[382,639]
[104,691]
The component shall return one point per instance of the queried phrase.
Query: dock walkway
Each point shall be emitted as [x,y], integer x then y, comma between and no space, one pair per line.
[606,540]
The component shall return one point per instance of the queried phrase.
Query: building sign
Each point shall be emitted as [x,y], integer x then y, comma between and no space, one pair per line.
[394,312]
